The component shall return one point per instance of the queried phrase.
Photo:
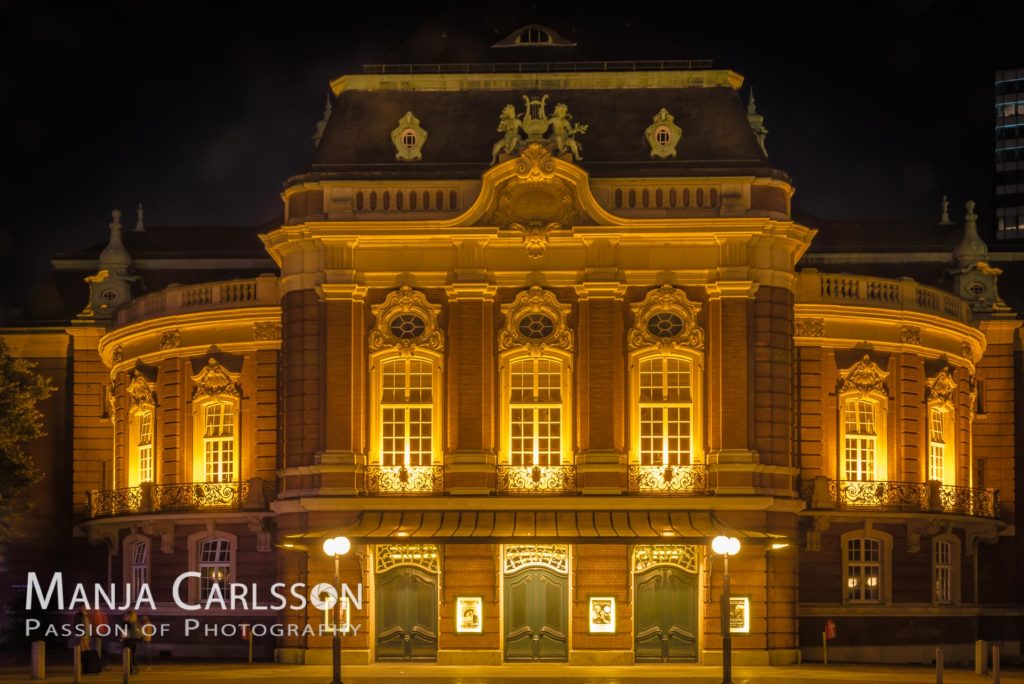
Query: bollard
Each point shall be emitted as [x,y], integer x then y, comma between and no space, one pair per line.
[938,666]
[38,660]
[126,665]
[980,658]
[995,663]
[76,665]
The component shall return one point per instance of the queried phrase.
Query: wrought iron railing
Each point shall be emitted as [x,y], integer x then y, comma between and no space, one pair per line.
[669,479]
[558,479]
[404,479]
[930,497]
[154,498]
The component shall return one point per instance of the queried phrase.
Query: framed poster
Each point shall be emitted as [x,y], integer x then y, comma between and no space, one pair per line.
[469,614]
[602,615]
[739,614]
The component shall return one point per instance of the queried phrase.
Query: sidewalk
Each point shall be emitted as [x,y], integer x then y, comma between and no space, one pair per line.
[393,673]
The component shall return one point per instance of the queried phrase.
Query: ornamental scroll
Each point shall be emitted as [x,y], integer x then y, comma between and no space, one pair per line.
[215,381]
[535,319]
[863,378]
[406,320]
[667,319]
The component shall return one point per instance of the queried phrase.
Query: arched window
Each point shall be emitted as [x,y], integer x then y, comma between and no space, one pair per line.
[215,435]
[867,566]
[407,348]
[941,428]
[535,347]
[666,369]
[863,403]
[141,430]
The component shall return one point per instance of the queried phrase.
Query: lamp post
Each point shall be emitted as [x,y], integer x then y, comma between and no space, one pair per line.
[725,547]
[336,547]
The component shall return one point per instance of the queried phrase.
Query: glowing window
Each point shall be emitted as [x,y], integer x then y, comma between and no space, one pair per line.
[144,447]
[666,408]
[942,559]
[214,565]
[861,439]
[535,412]
[406,412]
[863,570]
[219,442]
[936,443]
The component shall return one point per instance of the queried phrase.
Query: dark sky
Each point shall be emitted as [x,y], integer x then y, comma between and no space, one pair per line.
[875,109]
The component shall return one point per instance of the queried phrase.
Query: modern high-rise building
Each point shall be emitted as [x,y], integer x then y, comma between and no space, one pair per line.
[1009,154]
[531,330]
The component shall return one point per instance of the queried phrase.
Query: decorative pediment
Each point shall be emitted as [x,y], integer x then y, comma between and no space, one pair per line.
[141,392]
[535,201]
[535,319]
[666,319]
[663,135]
[406,320]
[940,388]
[215,381]
[863,377]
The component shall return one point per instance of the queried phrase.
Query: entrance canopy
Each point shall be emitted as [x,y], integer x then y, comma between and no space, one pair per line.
[562,526]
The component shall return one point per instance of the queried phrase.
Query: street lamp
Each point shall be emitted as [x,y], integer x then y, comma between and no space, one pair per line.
[335,548]
[725,547]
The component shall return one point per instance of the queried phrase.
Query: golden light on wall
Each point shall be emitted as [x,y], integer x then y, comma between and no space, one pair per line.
[602,615]
[739,614]
[469,616]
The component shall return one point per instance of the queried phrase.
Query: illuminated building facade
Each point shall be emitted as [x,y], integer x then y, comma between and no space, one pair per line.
[530,338]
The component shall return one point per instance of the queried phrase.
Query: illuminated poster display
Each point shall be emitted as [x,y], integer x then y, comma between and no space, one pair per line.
[469,615]
[602,615]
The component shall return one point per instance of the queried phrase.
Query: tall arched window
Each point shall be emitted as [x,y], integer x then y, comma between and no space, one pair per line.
[141,430]
[940,390]
[666,370]
[406,347]
[863,402]
[215,436]
[535,348]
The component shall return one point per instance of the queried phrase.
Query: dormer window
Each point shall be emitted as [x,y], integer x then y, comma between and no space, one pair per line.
[534,35]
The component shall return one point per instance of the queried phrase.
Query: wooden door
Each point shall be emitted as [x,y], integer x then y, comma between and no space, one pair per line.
[406,614]
[665,603]
[536,615]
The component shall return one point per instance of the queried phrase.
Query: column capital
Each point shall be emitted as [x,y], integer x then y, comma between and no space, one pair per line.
[732,288]
[600,290]
[470,292]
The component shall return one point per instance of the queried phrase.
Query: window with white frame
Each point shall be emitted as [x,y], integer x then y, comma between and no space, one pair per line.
[144,445]
[406,411]
[861,438]
[666,411]
[219,441]
[136,553]
[942,570]
[214,565]
[535,411]
[863,570]
[936,443]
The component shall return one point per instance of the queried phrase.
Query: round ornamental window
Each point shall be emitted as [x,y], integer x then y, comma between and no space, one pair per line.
[109,295]
[408,138]
[662,135]
[664,325]
[407,326]
[536,326]
[976,288]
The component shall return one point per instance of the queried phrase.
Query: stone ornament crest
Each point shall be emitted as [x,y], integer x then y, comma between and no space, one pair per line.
[910,334]
[666,318]
[810,327]
[663,135]
[408,138]
[406,320]
[215,381]
[535,319]
[170,339]
[940,387]
[966,351]
[557,133]
[535,201]
[141,392]
[863,377]
[263,331]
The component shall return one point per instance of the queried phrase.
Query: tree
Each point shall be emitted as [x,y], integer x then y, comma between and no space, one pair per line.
[21,388]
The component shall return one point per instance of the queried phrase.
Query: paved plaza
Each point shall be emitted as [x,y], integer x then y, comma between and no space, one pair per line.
[432,674]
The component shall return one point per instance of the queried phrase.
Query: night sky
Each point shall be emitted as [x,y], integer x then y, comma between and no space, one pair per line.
[201,113]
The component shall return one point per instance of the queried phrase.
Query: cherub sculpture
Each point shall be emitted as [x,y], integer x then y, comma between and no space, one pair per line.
[562,131]
[509,125]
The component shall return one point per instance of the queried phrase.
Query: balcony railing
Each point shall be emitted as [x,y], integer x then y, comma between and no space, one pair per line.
[385,480]
[928,497]
[227,294]
[905,294]
[669,479]
[560,479]
[187,496]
